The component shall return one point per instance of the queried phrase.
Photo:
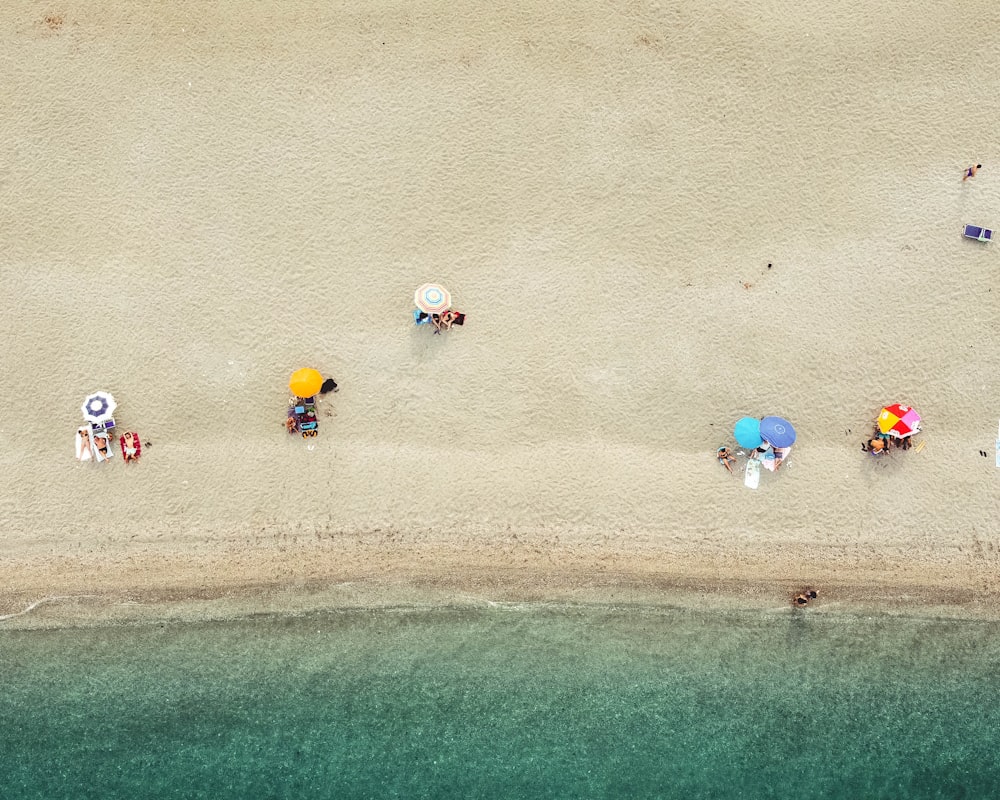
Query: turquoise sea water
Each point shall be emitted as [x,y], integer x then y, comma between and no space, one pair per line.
[505,702]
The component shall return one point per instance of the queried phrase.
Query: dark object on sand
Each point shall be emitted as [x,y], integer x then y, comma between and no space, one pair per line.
[459,319]
[329,385]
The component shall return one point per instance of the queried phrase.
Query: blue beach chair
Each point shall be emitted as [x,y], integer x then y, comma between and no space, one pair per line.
[977,233]
[420,318]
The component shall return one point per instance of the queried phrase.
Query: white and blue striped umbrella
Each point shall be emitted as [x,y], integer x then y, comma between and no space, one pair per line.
[98,407]
[432,299]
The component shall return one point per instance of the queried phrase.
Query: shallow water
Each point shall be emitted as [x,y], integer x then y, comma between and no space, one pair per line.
[505,702]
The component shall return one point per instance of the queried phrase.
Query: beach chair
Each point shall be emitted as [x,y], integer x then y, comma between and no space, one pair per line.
[977,233]
[420,318]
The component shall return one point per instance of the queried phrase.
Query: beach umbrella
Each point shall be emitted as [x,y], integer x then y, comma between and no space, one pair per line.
[777,432]
[432,299]
[747,432]
[305,382]
[899,421]
[98,407]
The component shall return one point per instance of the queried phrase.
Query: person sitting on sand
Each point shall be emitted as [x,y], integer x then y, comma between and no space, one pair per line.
[291,424]
[447,318]
[761,450]
[726,458]
[803,597]
[780,454]
[436,322]
[875,446]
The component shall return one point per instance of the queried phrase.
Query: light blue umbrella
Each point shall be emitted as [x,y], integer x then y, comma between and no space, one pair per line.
[747,432]
[778,432]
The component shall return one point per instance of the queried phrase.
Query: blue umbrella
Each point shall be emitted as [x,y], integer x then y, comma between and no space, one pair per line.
[747,432]
[777,431]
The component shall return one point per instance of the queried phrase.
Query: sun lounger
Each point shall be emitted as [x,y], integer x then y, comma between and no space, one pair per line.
[977,233]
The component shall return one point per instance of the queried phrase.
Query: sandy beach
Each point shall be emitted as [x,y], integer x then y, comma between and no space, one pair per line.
[658,217]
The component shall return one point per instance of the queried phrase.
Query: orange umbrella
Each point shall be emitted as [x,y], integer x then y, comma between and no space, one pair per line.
[305,382]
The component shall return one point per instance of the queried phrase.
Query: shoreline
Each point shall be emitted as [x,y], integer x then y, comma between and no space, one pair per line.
[146,588]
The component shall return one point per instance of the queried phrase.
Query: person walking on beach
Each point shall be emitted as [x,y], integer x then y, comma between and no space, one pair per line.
[971,171]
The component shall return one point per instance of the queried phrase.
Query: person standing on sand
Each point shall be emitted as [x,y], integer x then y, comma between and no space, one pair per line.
[971,171]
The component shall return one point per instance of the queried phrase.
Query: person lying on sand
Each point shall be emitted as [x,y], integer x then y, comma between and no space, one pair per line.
[101,442]
[131,451]
[726,458]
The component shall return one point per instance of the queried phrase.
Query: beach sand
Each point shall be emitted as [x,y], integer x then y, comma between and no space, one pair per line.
[659,217]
